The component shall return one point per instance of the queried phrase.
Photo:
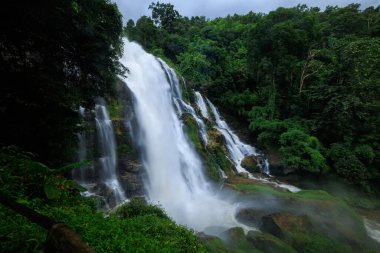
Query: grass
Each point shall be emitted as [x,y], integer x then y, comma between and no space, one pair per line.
[303,194]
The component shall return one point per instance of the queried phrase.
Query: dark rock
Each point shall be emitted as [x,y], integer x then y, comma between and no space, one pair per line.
[280,223]
[212,243]
[132,184]
[215,139]
[250,163]
[244,175]
[134,166]
[268,243]
[276,167]
[234,236]
[251,217]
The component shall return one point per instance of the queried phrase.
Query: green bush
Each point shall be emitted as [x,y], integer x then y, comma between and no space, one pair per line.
[302,152]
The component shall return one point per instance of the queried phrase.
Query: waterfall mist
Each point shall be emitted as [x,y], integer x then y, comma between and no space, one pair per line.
[175,178]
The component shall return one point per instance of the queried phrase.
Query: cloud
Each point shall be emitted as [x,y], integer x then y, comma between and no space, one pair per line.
[133,9]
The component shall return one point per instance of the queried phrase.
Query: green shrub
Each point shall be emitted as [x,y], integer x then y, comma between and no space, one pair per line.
[302,152]
[135,227]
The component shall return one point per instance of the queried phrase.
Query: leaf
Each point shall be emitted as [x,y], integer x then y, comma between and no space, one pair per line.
[36,167]
[71,167]
[51,191]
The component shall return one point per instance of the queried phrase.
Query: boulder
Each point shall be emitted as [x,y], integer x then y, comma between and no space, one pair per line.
[250,163]
[215,139]
[234,236]
[244,175]
[279,223]
[251,217]
[268,243]
[212,243]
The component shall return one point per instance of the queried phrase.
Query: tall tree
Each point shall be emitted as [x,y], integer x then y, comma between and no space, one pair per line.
[165,16]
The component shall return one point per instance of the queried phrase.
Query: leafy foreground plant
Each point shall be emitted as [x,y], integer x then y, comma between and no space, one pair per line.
[135,227]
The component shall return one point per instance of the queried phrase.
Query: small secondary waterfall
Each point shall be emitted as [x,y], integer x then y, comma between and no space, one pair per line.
[107,149]
[181,105]
[200,123]
[175,178]
[201,104]
[237,149]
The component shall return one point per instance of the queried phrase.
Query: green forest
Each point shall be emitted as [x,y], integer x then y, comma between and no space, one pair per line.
[304,83]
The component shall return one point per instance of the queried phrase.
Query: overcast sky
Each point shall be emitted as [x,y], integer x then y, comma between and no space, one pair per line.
[220,8]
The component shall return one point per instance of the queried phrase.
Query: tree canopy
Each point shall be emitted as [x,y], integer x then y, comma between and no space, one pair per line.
[55,56]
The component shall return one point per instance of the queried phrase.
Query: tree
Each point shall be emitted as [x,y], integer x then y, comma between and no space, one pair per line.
[302,152]
[165,16]
[145,32]
[54,56]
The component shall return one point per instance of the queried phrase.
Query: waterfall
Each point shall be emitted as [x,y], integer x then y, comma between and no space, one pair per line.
[182,106]
[200,123]
[201,104]
[107,149]
[237,149]
[175,178]
[266,169]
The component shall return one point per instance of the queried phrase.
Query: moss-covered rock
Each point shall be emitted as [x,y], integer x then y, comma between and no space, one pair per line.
[210,163]
[251,216]
[280,223]
[212,244]
[216,139]
[237,241]
[268,243]
[250,163]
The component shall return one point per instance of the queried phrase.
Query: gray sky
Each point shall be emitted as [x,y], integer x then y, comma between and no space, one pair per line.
[220,8]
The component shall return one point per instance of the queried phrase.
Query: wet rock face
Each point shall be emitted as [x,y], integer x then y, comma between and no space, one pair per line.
[129,168]
[243,175]
[250,163]
[251,217]
[130,177]
[215,138]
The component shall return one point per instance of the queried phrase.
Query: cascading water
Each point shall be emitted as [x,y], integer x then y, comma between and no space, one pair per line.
[181,105]
[200,123]
[175,178]
[201,104]
[107,149]
[237,149]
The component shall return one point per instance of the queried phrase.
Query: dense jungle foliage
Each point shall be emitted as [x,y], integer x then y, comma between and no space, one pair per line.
[305,81]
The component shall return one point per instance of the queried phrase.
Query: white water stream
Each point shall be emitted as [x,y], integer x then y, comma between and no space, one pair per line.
[107,149]
[201,104]
[237,149]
